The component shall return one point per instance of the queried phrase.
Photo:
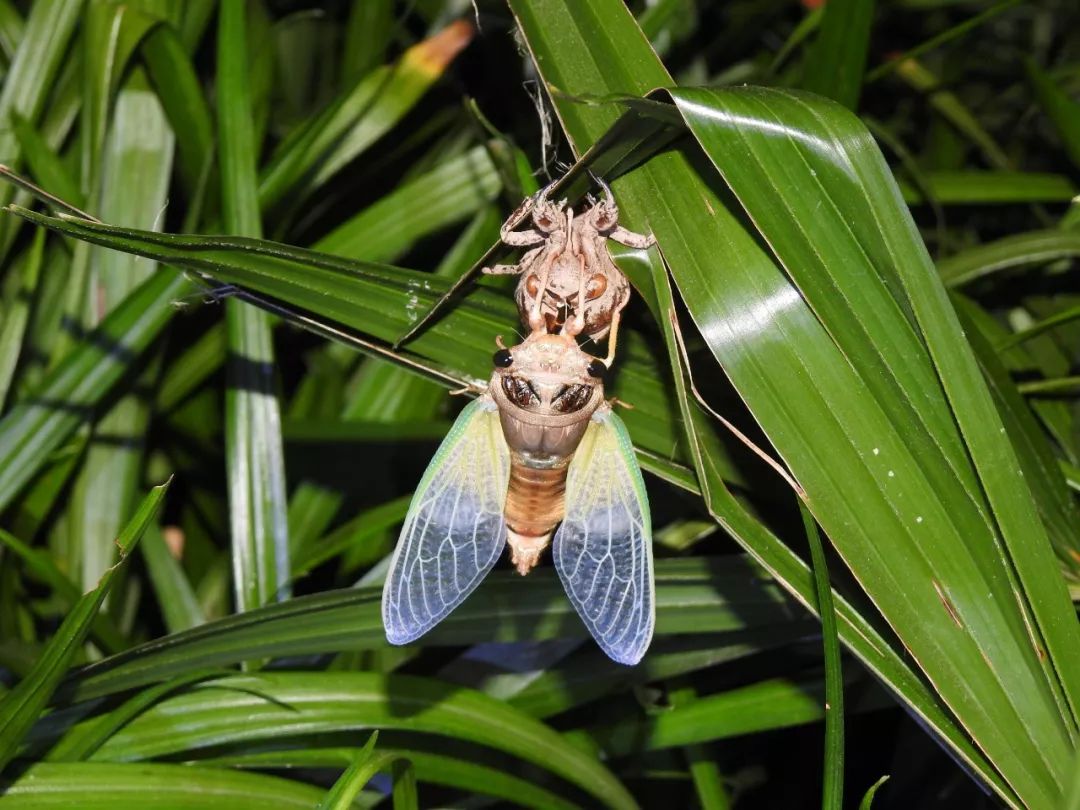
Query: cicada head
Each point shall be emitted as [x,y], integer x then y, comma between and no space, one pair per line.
[546,390]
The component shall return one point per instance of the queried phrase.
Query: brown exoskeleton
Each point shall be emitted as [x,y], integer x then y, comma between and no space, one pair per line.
[568,280]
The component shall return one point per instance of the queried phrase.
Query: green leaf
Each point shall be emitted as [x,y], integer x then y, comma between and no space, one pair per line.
[133,182]
[588,675]
[708,782]
[107,786]
[27,84]
[103,631]
[367,34]
[775,350]
[696,595]
[1018,250]
[832,792]
[42,422]
[253,445]
[359,773]
[868,797]
[1063,110]
[1058,509]
[992,188]
[173,75]
[20,707]
[767,704]
[369,109]
[17,314]
[835,61]
[432,768]
[179,606]
[83,739]
[44,164]
[275,705]
[191,369]
[953,110]
[454,190]
[890,398]
[383,302]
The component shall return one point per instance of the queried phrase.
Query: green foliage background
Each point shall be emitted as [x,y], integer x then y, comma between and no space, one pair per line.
[867,233]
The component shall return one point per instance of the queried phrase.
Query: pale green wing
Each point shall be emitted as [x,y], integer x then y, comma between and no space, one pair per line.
[455,529]
[603,549]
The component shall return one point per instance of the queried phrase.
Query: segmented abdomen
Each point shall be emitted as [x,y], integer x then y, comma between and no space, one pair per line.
[534,500]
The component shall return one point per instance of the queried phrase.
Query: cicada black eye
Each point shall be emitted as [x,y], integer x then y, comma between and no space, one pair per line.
[520,391]
[502,358]
[596,368]
[572,398]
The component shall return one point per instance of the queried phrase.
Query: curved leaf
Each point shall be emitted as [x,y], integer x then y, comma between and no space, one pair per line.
[273,705]
[699,595]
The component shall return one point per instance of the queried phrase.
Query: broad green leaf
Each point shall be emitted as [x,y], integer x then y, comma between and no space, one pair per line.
[455,190]
[275,705]
[109,786]
[17,314]
[889,419]
[315,152]
[112,33]
[21,706]
[696,595]
[430,767]
[1018,250]
[769,315]
[26,86]
[42,422]
[136,167]
[383,302]
[367,34]
[992,188]
[253,446]
[835,61]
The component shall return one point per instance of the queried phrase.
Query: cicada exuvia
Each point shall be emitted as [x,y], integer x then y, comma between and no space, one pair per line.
[568,282]
[540,458]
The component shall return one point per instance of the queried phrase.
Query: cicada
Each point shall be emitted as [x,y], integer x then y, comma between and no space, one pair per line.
[568,281]
[540,458]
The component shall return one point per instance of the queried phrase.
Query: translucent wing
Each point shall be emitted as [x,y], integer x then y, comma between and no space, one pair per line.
[603,549]
[454,530]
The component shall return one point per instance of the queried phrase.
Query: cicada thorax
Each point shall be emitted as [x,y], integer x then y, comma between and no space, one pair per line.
[546,391]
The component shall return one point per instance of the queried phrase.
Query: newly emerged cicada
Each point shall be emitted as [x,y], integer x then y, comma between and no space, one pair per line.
[568,281]
[538,459]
